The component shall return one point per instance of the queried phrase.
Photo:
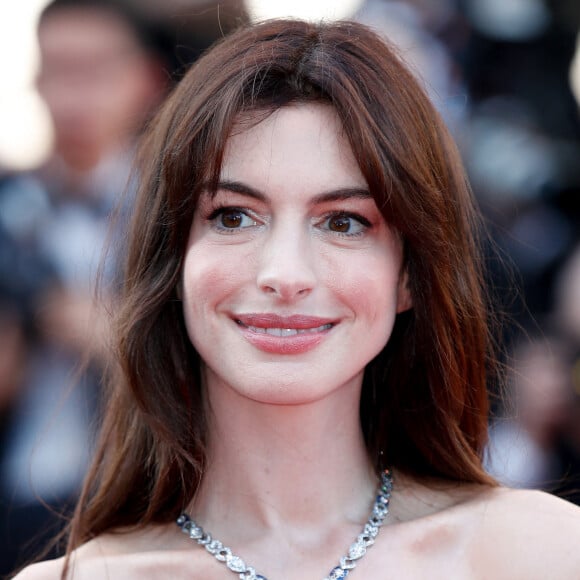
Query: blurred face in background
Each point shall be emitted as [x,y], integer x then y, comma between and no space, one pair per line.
[542,386]
[97,81]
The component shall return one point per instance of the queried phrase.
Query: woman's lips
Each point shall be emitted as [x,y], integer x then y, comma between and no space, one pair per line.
[284,334]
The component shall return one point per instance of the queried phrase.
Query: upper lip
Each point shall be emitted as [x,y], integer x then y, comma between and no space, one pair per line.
[295,321]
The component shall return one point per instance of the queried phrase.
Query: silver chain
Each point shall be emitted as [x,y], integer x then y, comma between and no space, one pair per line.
[347,563]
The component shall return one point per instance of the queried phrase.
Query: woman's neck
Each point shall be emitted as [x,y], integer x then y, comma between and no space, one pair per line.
[275,467]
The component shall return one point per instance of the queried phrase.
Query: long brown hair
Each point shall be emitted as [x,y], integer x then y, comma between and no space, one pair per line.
[424,403]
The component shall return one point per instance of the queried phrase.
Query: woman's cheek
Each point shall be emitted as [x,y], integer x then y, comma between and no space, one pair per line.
[212,273]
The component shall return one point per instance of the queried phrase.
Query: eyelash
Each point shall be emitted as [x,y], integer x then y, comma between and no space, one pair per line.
[365,223]
[214,216]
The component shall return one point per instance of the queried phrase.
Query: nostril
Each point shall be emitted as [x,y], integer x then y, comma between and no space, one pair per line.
[285,291]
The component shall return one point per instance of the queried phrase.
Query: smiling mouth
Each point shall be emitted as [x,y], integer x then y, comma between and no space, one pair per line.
[285,332]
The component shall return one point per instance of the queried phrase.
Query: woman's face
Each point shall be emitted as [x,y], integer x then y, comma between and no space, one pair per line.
[292,279]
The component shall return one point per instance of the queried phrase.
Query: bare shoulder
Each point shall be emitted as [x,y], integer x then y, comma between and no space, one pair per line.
[532,533]
[81,562]
[48,570]
[147,554]
[539,512]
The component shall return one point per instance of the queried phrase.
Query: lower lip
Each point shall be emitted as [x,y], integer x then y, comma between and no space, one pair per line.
[297,344]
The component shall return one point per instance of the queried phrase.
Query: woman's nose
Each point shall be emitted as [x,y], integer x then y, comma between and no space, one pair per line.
[286,265]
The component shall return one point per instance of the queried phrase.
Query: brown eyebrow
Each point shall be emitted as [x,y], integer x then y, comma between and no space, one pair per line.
[340,194]
[239,187]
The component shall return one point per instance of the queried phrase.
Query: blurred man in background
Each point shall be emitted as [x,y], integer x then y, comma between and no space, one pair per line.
[105,67]
[101,77]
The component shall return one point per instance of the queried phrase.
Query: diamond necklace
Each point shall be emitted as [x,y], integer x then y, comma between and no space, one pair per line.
[356,551]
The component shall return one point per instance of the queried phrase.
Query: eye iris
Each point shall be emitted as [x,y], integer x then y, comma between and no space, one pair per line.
[232,219]
[339,224]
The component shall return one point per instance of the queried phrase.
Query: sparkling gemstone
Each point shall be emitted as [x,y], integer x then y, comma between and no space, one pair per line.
[380,511]
[365,539]
[182,519]
[338,573]
[205,539]
[347,563]
[235,564]
[249,574]
[371,530]
[186,527]
[357,550]
[214,546]
[195,532]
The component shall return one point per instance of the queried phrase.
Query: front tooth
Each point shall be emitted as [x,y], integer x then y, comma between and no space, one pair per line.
[289,332]
[281,331]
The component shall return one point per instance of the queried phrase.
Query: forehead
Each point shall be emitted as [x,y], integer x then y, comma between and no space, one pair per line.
[296,142]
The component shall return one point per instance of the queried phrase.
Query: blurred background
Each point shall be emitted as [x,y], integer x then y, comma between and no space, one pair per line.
[79,80]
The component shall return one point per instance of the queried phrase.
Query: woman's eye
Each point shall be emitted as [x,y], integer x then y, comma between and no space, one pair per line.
[346,224]
[232,219]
